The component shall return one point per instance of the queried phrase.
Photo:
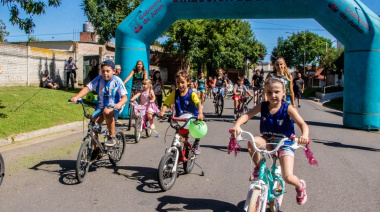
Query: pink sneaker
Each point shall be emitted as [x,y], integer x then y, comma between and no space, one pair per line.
[301,193]
[255,173]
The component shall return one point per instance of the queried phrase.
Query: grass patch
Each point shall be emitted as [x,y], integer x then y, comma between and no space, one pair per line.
[336,103]
[25,109]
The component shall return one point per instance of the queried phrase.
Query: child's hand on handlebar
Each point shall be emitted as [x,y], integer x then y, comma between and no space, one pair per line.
[161,114]
[235,131]
[74,99]
[117,106]
[303,140]
[200,116]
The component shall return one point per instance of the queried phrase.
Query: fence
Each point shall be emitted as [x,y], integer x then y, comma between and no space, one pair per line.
[25,65]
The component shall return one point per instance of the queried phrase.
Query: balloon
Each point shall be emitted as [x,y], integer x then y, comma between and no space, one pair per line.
[198,130]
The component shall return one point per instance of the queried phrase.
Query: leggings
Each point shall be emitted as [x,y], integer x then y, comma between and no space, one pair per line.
[68,75]
[159,101]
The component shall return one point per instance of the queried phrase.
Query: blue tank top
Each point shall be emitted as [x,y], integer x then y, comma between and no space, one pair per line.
[184,104]
[276,125]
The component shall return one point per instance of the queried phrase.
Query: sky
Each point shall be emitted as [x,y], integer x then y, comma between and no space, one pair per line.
[66,21]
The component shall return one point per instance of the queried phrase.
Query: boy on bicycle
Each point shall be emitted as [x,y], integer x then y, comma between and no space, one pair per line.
[108,87]
[239,91]
[185,101]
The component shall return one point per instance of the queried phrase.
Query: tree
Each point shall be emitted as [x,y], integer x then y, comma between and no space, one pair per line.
[333,61]
[33,39]
[106,15]
[213,44]
[3,32]
[31,8]
[301,49]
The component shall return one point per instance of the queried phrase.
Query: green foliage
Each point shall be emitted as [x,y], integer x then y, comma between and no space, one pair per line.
[336,103]
[310,92]
[333,61]
[3,32]
[33,39]
[31,8]
[25,109]
[213,43]
[302,46]
[106,15]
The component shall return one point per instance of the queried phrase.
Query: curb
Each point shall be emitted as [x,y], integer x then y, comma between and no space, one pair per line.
[38,133]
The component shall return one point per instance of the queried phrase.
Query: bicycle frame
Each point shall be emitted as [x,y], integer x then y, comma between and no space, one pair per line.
[180,141]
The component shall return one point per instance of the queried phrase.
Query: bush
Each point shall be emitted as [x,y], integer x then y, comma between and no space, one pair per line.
[310,92]
[334,89]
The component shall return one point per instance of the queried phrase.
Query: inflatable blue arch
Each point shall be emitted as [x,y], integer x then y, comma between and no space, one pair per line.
[350,21]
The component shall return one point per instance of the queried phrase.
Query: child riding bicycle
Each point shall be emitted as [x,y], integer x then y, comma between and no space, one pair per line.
[147,96]
[108,87]
[185,101]
[239,91]
[276,122]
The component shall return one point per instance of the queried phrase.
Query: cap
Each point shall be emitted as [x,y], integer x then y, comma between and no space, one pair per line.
[108,63]
[156,71]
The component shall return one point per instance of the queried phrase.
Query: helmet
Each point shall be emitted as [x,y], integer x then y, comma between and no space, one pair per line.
[198,130]
[186,115]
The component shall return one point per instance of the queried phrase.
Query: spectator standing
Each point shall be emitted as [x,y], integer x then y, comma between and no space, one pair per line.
[298,87]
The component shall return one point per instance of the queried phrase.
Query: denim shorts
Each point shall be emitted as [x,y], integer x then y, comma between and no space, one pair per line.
[284,150]
[99,112]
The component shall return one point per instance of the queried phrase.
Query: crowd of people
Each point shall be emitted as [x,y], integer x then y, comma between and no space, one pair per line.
[278,111]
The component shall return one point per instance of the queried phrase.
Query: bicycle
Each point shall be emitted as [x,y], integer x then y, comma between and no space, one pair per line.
[71,78]
[141,122]
[269,186]
[208,93]
[219,100]
[130,111]
[84,160]
[242,106]
[260,94]
[2,169]
[181,151]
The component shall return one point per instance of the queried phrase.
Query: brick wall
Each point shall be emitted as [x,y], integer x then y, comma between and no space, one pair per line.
[24,65]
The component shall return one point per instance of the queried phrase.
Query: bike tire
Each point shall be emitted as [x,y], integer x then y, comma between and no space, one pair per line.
[118,150]
[216,106]
[254,203]
[166,178]
[131,114]
[148,131]
[72,81]
[137,129]
[83,160]
[188,165]
[2,169]
[220,105]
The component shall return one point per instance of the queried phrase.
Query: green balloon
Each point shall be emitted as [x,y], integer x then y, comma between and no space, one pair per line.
[198,130]
[90,97]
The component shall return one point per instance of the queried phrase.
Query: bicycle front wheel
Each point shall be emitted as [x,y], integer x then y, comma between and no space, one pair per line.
[138,128]
[83,160]
[1,169]
[166,176]
[255,203]
[118,150]
[220,105]
[275,204]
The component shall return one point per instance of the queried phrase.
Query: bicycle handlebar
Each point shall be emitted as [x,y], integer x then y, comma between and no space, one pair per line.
[279,144]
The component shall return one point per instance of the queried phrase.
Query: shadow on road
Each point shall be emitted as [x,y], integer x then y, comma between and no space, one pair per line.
[340,145]
[322,124]
[195,204]
[222,148]
[145,175]
[67,171]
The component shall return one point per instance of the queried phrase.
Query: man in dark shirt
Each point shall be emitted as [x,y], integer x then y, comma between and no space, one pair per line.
[298,87]
[257,81]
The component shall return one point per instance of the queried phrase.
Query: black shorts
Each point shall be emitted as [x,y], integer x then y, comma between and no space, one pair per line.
[297,93]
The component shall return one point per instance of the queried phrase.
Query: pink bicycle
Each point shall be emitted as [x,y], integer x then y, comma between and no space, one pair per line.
[141,122]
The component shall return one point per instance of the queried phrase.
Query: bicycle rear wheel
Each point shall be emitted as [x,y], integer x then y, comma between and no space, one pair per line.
[2,168]
[148,131]
[83,160]
[275,204]
[189,164]
[166,176]
[118,150]
[255,203]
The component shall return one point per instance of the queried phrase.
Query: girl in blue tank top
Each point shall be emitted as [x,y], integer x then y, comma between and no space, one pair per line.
[276,122]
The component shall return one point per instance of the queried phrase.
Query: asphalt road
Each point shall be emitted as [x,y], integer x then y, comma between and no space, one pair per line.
[41,176]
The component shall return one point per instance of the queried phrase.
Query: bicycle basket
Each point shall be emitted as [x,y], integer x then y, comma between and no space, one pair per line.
[139,110]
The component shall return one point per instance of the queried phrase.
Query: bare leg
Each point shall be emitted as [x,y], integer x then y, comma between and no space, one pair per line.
[150,118]
[287,165]
[110,121]
[260,142]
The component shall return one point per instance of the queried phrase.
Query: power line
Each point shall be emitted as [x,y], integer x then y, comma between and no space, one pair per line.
[63,33]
